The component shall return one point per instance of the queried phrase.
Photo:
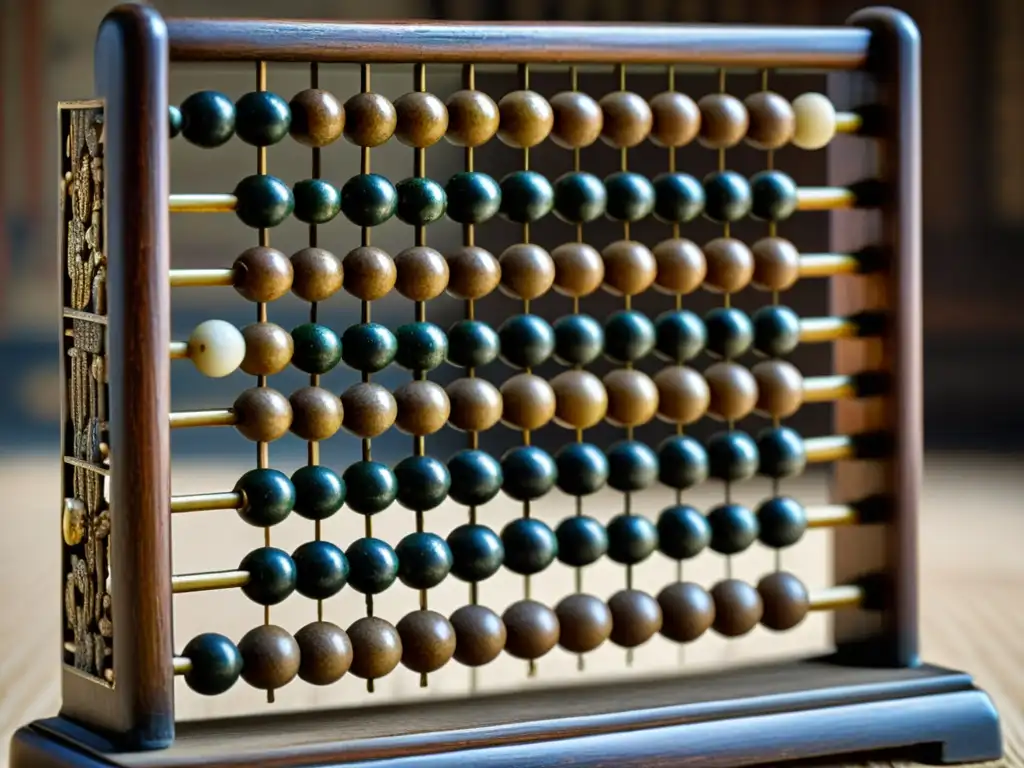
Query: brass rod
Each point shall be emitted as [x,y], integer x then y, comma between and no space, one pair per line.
[179,350]
[820,450]
[203,203]
[826,389]
[832,516]
[201,502]
[221,417]
[203,582]
[818,329]
[848,122]
[182,665]
[828,264]
[824,198]
[191,278]
[832,598]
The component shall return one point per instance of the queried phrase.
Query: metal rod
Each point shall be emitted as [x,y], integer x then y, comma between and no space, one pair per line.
[182,665]
[179,350]
[824,198]
[204,582]
[201,502]
[848,122]
[833,598]
[827,389]
[832,516]
[203,203]
[828,264]
[818,329]
[193,278]
[213,418]
[820,450]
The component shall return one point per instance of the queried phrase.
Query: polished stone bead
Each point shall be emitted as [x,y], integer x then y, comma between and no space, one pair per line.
[216,664]
[373,565]
[317,348]
[729,332]
[424,560]
[322,569]
[529,472]
[526,196]
[680,336]
[727,196]
[368,200]
[628,336]
[421,346]
[207,119]
[174,120]
[421,201]
[733,528]
[632,466]
[472,343]
[579,339]
[773,196]
[319,492]
[476,477]
[423,482]
[526,340]
[263,201]
[580,197]
[630,196]
[582,468]
[683,532]
[776,331]
[316,201]
[368,347]
[631,539]
[781,521]
[473,197]
[268,497]
[679,198]
[262,118]
[582,540]
[530,546]
[781,452]
[477,552]
[272,575]
[682,462]
[732,456]
[372,487]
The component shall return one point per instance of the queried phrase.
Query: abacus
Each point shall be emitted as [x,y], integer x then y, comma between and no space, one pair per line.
[547,375]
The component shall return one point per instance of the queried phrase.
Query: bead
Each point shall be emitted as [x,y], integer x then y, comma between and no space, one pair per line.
[727,196]
[581,541]
[772,120]
[423,408]
[584,623]
[421,119]
[785,601]
[528,402]
[207,119]
[580,399]
[476,477]
[422,273]
[682,462]
[627,119]
[631,539]
[325,653]
[479,635]
[579,269]
[526,196]
[582,468]
[423,482]
[319,492]
[317,274]
[174,120]
[472,118]
[526,119]
[270,657]
[578,120]
[683,532]
[272,575]
[782,453]
[370,119]
[579,339]
[368,200]
[733,391]
[73,522]
[683,395]
[216,348]
[532,629]
[268,497]
[675,119]
[773,196]
[321,568]
[629,268]
[424,560]
[263,201]
[636,618]
[477,552]
[215,661]
[688,611]
[681,266]
[526,341]
[473,272]
[579,197]
[729,332]
[679,336]
[527,271]
[530,546]
[368,347]
[317,348]
[373,565]
[264,414]
[815,121]
[632,397]
[738,608]
[632,466]
[776,331]
[631,196]
[678,198]
[422,346]
[262,274]
[376,648]
[421,201]
[781,521]
[472,343]
[473,197]
[428,641]
[529,472]
[317,118]
[776,264]
[268,349]
[723,121]
[316,413]
[628,336]
[370,273]
[372,487]
[369,409]
[475,404]
[730,265]
[733,528]
[732,456]
[262,118]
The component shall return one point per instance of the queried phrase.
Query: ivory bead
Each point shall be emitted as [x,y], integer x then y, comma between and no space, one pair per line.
[216,348]
[815,121]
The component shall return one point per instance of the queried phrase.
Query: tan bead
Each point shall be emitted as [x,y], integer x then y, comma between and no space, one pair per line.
[369,409]
[472,118]
[422,273]
[738,607]
[785,601]
[578,120]
[423,407]
[629,268]
[733,391]
[527,271]
[532,629]
[579,269]
[584,623]
[772,122]
[473,272]
[264,414]
[268,349]
[421,119]
[316,413]
[428,641]
[776,264]
[369,273]
[376,648]
[475,404]
[270,657]
[632,397]
[370,119]
[730,265]
[683,395]
[528,402]
[580,399]
[325,652]
[636,618]
[262,274]
[675,119]
[681,266]
[318,118]
[318,274]
[688,611]
[815,121]
[780,388]
[723,121]
[526,119]
[479,635]
[627,119]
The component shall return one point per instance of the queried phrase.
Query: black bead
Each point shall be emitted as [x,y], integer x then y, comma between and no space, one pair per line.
[268,497]
[316,201]
[424,560]
[272,575]
[580,197]
[630,196]
[472,343]
[319,492]
[368,200]
[372,487]
[733,528]
[421,346]
[680,336]
[529,472]
[207,119]
[579,339]
[782,453]
[322,569]
[263,201]
[368,347]
[216,664]
[477,552]
[773,196]
[174,121]
[682,462]
[679,198]
[421,201]
[473,197]
[476,477]
[631,539]
[526,340]
[530,546]
[776,331]
[526,196]
[729,332]
[262,118]
[632,466]
[732,456]
[782,522]
[423,482]
[373,565]
[727,196]
[582,468]
[683,532]
[317,349]
[628,336]
[581,541]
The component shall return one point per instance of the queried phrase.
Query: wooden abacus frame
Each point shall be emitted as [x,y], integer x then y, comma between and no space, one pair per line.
[873,694]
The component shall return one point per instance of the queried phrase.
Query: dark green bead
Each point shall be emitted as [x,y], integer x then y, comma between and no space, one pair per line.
[368,347]
[579,339]
[322,569]
[373,566]
[682,462]
[631,539]
[683,532]
[727,196]
[368,200]
[781,452]
[582,540]
[526,196]
[319,492]
[773,196]
[272,575]
[732,456]
[263,201]
[630,196]
[628,336]
[423,482]
[424,560]
[733,528]
[632,466]
[421,346]
[317,349]
[473,197]
[729,332]
[174,120]
[477,552]
[472,343]
[476,477]
[529,472]
[680,336]
[420,201]
[372,487]
[268,497]
[582,468]
[679,198]
[316,201]
[781,522]
[776,331]
[262,118]
[216,664]
[526,341]
[530,546]
[579,197]
[207,119]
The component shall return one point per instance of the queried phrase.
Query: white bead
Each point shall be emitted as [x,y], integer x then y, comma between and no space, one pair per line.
[815,121]
[216,348]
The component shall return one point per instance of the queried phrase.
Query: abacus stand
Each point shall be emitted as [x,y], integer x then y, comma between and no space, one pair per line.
[802,710]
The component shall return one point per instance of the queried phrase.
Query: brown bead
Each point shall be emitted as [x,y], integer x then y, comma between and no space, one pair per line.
[376,648]
[723,121]
[733,391]
[325,653]
[738,607]
[636,617]
[772,121]
[527,271]
[627,119]
[475,404]
[428,641]
[264,414]
[580,399]
[730,265]
[317,274]
[681,266]
[632,397]
[579,269]
[472,118]
[369,273]
[688,611]
[629,268]
[683,394]
[780,388]
[776,264]
[270,657]
[578,120]
[421,119]
[422,273]
[473,272]
[528,402]
[526,119]
[479,635]
[317,118]
[676,119]
[370,119]
[585,623]
[369,409]
[262,274]
[785,600]
[268,349]
[532,629]
[316,413]
[423,407]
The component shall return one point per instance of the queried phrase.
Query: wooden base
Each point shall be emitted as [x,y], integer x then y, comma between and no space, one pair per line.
[765,714]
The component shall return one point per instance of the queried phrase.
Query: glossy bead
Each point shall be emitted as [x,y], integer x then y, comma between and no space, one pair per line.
[424,560]
[776,331]
[727,196]
[422,346]
[475,404]
[772,120]
[776,264]
[423,408]
[174,121]
[631,539]
[683,532]
[479,635]
[738,608]
[526,119]
[781,522]
[683,395]
[526,196]
[473,197]
[321,568]
[270,657]
[636,618]
[580,399]
[370,119]
[216,348]
[782,453]
[368,347]
[472,272]
[529,472]
[785,601]
[632,466]
[423,482]
[730,265]
[584,621]
[263,201]
[627,119]
[428,641]
[422,273]
[207,119]
[732,456]
[723,121]
[582,468]
[579,339]
[376,648]
[733,528]
[373,565]
[773,196]
[476,477]
[632,397]
[268,349]
[528,402]
[688,611]
[628,336]
[678,198]
[317,274]
[319,492]
[682,462]
[729,332]
[579,197]
[733,391]
[370,409]
[216,664]
[815,121]
[421,119]
[582,540]
[526,341]
[368,200]
[317,348]
[272,575]
[325,653]
[317,118]
[316,413]
[530,546]
[675,119]
[262,118]
[262,274]
[264,414]
[629,268]
[631,196]
[532,629]
[372,487]
[370,273]
[472,343]
[679,336]
[472,118]
[477,552]
[579,269]
[421,201]
[578,120]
